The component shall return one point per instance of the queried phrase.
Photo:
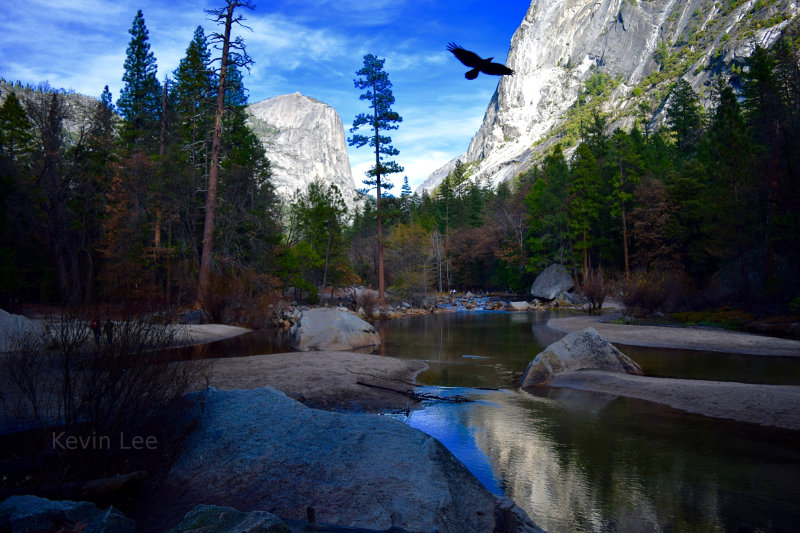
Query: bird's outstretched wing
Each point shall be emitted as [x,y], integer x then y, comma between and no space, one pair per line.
[470,59]
[478,64]
[497,69]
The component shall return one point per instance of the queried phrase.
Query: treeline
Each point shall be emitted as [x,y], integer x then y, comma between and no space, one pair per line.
[106,203]
[702,211]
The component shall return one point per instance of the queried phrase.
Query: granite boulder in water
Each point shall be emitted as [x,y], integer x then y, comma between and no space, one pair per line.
[581,350]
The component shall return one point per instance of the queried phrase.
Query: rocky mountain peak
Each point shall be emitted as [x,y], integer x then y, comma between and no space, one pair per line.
[638,48]
[304,139]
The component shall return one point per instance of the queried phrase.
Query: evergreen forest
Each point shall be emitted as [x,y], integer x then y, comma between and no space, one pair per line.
[104,202]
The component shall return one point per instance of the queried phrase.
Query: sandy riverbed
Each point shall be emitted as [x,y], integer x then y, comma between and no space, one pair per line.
[325,380]
[328,379]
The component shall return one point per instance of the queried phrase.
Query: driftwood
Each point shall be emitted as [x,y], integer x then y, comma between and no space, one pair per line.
[420,396]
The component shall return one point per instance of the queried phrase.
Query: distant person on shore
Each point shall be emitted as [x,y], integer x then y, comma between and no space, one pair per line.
[95,327]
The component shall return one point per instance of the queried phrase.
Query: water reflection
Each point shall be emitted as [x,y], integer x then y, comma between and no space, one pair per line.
[510,340]
[579,461]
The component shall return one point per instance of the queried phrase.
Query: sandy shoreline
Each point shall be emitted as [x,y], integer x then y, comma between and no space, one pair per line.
[767,405]
[326,380]
[712,340]
[204,333]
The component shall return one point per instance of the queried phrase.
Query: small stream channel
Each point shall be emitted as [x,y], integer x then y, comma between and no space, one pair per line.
[582,461]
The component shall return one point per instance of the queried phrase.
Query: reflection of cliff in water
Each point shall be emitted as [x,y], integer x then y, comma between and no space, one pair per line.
[580,461]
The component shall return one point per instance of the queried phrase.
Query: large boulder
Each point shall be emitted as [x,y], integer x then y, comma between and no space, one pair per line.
[13,327]
[260,450]
[332,330]
[580,350]
[22,514]
[215,519]
[552,282]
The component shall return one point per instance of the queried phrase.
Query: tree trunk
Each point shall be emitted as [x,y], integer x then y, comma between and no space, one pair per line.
[381,296]
[213,174]
[625,244]
[325,268]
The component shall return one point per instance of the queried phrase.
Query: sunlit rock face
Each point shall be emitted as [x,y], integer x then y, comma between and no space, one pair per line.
[304,139]
[559,41]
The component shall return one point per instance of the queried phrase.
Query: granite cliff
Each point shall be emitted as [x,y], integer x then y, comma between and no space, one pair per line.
[304,139]
[621,54]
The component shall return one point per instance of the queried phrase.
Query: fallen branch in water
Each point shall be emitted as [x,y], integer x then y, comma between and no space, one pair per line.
[420,396]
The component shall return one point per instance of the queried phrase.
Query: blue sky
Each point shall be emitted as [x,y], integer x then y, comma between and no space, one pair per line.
[311,46]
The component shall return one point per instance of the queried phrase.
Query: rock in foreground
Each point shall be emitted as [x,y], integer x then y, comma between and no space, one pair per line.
[214,519]
[332,330]
[581,350]
[260,450]
[23,514]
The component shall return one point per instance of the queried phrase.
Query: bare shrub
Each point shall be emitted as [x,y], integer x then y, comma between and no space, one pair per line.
[367,299]
[648,292]
[243,297]
[594,289]
[68,382]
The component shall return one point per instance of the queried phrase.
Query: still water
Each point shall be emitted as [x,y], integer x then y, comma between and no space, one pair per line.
[582,461]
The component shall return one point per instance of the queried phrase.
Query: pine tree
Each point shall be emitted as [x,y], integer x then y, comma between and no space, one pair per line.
[15,150]
[405,190]
[683,114]
[378,93]
[15,133]
[626,165]
[139,102]
[193,95]
[548,205]
[585,200]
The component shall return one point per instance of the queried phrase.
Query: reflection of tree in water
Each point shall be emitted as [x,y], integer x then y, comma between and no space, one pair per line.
[584,461]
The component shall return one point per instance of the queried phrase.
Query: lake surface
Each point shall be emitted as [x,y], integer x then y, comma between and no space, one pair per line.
[582,461]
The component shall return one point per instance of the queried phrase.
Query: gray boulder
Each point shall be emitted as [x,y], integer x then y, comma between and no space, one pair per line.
[13,327]
[22,514]
[332,330]
[259,449]
[518,306]
[215,519]
[551,282]
[581,350]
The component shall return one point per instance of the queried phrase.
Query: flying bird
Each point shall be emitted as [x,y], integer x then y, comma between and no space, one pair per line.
[474,61]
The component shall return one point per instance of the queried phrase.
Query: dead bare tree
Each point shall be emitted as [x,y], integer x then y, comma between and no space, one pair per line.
[232,53]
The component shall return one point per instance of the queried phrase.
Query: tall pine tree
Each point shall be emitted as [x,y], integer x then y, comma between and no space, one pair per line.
[378,92]
[140,100]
